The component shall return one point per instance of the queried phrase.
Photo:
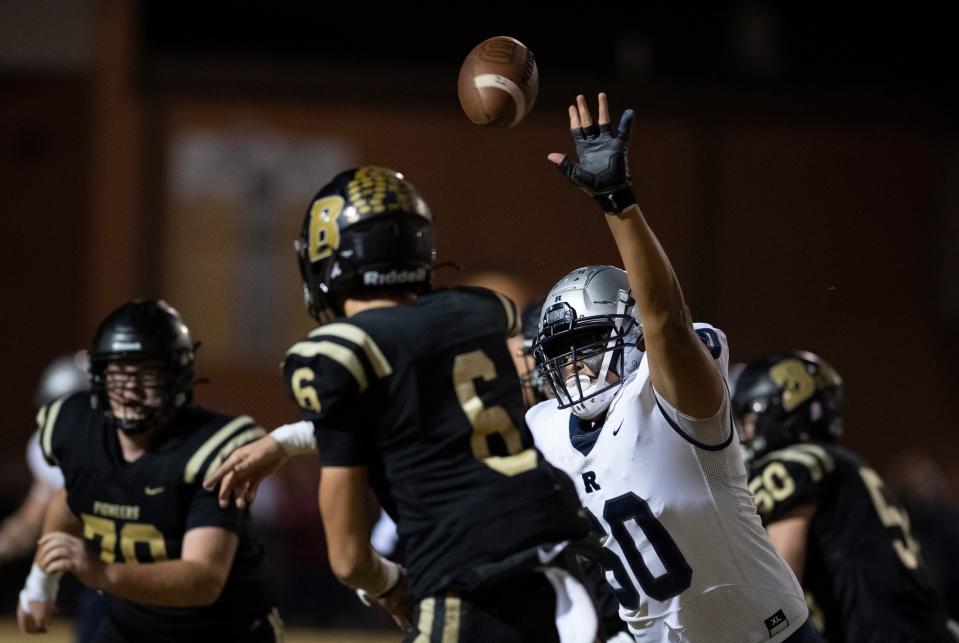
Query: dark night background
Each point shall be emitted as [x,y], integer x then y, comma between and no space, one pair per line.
[800,165]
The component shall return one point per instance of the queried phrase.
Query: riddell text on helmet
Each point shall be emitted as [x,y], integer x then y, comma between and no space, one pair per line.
[394,277]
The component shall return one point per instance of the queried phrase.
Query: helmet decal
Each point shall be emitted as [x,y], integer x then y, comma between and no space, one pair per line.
[376,190]
[324,235]
[797,385]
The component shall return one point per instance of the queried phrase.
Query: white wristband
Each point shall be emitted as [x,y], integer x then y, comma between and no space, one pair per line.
[40,586]
[390,572]
[296,438]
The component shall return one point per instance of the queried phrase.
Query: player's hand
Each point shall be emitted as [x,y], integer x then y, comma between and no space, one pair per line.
[398,602]
[240,474]
[61,552]
[602,170]
[38,619]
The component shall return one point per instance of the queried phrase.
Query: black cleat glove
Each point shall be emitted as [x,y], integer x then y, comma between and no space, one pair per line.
[603,171]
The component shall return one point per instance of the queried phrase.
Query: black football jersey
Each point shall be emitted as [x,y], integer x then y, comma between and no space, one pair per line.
[426,396]
[138,512]
[864,576]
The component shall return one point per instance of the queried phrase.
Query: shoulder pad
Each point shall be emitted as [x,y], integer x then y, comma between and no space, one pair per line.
[47,422]
[347,345]
[789,477]
[710,337]
[511,318]
[332,361]
[232,434]
[513,321]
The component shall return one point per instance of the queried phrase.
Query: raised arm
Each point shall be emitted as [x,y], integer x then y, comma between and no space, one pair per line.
[342,497]
[681,369]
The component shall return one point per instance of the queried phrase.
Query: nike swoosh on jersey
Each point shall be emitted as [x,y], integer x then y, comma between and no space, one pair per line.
[152,491]
[619,427]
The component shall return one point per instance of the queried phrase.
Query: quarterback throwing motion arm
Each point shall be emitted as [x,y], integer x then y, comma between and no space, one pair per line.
[342,500]
[681,369]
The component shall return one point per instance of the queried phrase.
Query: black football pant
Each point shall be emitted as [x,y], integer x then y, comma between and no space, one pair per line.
[521,608]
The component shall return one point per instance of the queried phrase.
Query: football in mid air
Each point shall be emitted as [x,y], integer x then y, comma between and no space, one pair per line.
[498,82]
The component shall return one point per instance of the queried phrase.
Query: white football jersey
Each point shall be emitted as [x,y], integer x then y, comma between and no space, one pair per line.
[687,555]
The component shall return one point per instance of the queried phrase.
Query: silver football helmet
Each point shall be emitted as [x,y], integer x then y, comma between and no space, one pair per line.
[65,375]
[590,339]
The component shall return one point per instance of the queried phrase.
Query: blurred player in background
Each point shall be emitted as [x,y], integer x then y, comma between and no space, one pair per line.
[642,423]
[64,376]
[922,485]
[534,387]
[133,520]
[827,512]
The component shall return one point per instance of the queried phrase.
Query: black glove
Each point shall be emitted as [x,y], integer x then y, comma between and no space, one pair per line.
[603,171]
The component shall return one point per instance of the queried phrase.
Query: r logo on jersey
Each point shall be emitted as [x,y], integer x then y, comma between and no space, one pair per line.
[589,481]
